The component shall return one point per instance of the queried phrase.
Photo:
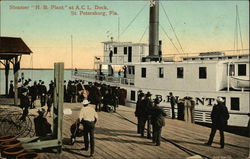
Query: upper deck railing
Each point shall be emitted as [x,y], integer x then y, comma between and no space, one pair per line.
[125,59]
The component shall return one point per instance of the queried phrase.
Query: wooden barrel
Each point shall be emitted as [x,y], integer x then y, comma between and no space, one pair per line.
[8,144]
[7,138]
[29,155]
[12,152]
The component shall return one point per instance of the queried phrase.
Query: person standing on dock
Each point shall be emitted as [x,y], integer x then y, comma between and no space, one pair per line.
[24,104]
[146,107]
[88,117]
[138,111]
[189,104]
[158,121]
[50,99]
[172,103]
[97,97]
[11,90]
[219,116]
[43,92]
[34,93]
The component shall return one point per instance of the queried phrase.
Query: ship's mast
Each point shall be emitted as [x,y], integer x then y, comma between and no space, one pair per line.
[154,30]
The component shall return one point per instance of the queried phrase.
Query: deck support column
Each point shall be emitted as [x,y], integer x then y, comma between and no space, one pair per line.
[16,67]
[7,68]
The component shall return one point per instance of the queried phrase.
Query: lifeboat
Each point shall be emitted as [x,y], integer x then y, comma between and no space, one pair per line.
[240,83]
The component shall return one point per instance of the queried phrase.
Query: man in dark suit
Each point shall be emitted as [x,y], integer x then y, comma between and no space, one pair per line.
[146,108]
[158,121]
[172,103]
[24,103]
[43,91]
[219,116]
[33,93]
[138,111]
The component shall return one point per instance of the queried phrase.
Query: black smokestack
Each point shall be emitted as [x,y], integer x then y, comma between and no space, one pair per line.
[154,29]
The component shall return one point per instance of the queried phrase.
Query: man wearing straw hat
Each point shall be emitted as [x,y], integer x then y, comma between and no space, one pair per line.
[219,116]
[88,118]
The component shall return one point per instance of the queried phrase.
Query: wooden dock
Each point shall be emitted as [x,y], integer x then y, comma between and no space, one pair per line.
[116,137]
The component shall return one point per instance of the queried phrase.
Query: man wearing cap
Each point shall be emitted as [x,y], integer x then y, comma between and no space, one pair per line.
[88,118]
[219,116]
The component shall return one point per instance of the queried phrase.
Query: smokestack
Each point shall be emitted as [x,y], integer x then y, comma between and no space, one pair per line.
[154,29]
[160,50]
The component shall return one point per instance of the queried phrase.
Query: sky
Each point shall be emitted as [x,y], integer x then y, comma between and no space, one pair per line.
[56,34]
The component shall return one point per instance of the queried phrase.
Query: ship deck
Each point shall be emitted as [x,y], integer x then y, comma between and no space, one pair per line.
[116,137]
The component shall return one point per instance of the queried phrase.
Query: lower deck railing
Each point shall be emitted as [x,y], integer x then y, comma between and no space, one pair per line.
[105,78]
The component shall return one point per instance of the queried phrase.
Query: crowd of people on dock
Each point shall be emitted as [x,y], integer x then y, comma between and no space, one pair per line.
[104,97]
[148,111]
[107,98]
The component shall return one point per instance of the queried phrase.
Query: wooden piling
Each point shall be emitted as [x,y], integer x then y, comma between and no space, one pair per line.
[58,102]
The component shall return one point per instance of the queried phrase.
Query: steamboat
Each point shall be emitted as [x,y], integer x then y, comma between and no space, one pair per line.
[202,76]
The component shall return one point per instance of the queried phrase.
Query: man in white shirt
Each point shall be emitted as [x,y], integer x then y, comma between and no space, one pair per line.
[88,118]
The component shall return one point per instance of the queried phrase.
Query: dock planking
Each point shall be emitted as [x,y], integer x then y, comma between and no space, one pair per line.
[116,137]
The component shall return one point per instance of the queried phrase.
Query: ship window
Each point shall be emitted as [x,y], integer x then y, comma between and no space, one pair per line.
[115,50]
[125,50]
[161,72]
[235,103]
[202,72]
[179,72]
[132,97]
[242,70]
[143,72]
[129,70]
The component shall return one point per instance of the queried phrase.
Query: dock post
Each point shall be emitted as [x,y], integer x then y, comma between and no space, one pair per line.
[58,103]
[7,68]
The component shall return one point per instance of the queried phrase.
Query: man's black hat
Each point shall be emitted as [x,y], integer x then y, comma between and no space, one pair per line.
[148,94]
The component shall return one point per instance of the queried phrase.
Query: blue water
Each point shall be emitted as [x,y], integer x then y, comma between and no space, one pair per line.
[36,75]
